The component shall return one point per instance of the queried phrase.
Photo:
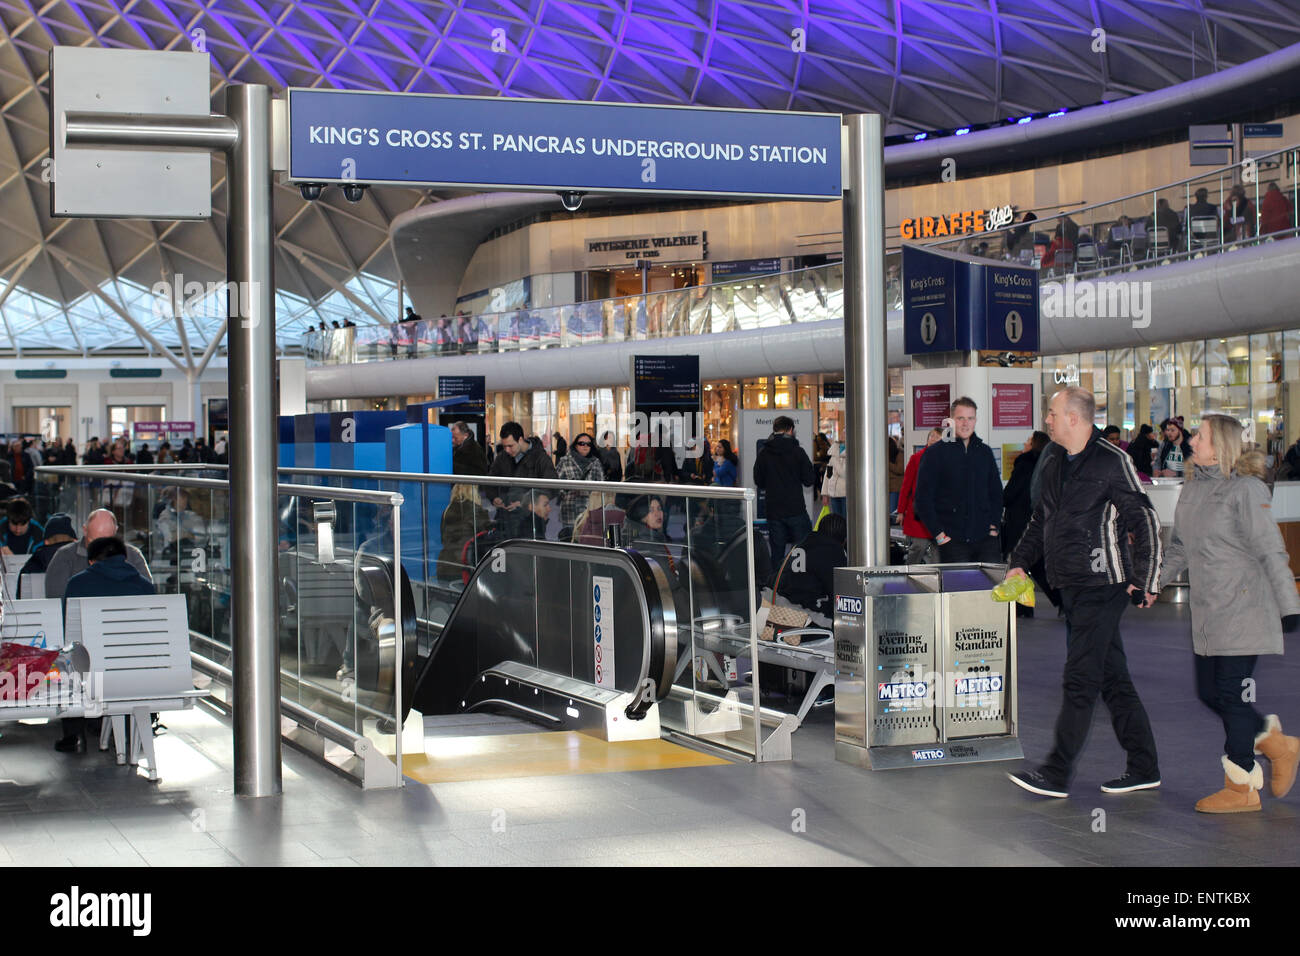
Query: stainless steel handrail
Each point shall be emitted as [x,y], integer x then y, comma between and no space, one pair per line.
[608,487]
[302,491]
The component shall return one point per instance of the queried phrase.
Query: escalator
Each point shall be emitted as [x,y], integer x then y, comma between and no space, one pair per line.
[541,645]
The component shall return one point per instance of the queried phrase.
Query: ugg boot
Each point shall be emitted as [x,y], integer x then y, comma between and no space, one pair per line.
[1282,752]
[1240,793]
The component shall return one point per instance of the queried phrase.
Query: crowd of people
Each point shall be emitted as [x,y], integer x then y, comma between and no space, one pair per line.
[1165,231]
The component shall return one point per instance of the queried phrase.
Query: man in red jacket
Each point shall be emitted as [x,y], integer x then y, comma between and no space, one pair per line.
[921,548]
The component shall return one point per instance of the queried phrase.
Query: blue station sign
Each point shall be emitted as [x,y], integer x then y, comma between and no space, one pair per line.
[547,145]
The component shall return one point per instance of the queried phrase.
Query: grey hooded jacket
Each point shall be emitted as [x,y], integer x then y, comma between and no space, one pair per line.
[1241,581]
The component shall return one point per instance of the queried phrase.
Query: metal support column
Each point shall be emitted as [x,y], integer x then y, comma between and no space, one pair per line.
[866,371]
[253,407]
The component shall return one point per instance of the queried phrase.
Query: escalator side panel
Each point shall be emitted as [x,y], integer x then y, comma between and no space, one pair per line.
[537,607]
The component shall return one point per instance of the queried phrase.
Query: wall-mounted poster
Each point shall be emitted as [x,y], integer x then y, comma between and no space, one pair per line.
[930,404]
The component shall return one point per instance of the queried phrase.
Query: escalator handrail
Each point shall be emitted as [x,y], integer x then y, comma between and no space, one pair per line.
[658,612]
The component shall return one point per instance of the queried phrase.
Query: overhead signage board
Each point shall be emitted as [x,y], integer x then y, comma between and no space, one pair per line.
[1261,130]
[743,268]
[929,301]
[472,387]
[666,381]
[112,182]
[1010,308]
[547,145]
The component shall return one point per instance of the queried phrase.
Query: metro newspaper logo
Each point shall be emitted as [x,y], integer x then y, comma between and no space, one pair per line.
[981,685]
[903,690]
[935,754]
[844,604]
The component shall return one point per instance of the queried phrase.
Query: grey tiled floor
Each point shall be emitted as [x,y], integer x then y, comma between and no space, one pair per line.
[84,811]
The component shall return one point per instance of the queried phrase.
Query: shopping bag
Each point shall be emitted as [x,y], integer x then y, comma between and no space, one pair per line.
[1018,589]
[23,669]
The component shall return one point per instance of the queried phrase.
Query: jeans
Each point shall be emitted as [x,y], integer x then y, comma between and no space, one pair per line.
[1220,684]
[987,549]
[1095,665]
[840,506]
[788,531]
[922,551]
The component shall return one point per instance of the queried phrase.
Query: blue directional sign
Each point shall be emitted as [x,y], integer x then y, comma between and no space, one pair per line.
[546,145]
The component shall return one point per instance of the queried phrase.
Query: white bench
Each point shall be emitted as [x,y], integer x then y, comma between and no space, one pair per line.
[40,624]
[13,563]
[139,648]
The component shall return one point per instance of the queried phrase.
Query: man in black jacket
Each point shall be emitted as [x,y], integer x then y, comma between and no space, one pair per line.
[1090,491]
[518,459]
[467,456]
[959,492]
[782,470]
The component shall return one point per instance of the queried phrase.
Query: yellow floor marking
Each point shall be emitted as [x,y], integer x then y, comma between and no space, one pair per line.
[535,755]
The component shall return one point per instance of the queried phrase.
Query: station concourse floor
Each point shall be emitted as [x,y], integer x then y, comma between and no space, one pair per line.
[83,810]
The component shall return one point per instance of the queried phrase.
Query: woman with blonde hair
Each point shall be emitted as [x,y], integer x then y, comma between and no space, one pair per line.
[1243,596]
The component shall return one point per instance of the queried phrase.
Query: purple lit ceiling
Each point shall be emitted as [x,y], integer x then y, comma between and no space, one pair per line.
[925,65]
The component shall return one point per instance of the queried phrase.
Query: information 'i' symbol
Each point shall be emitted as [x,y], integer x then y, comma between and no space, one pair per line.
[929,328]
[1015,327]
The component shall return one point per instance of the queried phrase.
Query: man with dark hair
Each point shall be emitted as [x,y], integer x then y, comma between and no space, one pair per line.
[108,574]
[519,458]
[20,534]
[467,456]
[1090,491]
[782,469]
[959,492]
[1175,450]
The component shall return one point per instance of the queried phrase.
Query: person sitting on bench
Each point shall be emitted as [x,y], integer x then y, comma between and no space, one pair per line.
[109,575]
[808,579]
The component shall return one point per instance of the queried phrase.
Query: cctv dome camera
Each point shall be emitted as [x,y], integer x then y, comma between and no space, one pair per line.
[311,191]
[353,192]
[571,200]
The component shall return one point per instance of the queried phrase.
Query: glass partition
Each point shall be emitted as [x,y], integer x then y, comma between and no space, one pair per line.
[335,646]
[696,541]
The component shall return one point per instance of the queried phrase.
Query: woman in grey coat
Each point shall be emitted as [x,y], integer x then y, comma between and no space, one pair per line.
[1243,596]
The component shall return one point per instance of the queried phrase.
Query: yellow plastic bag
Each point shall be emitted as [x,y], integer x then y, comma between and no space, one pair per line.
[1018,589]
[826,509]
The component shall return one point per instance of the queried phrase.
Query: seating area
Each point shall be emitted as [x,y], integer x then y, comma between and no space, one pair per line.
[120,659]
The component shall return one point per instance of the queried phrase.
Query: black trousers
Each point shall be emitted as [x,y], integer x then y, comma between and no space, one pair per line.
[987,549]
[1221,686]
[1095,666]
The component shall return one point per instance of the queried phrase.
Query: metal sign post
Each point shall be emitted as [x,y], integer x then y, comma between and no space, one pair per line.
[866,370]
[245,136]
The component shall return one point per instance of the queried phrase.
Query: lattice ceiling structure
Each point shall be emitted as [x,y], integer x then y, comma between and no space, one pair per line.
[84,287]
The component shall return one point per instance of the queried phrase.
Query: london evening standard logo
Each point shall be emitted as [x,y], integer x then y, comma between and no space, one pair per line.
[927,754]
[847,605]
[902,690]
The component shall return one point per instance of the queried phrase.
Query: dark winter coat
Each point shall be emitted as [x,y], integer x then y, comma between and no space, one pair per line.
[782,470]
[958,490]
[469,459]
[1078,525]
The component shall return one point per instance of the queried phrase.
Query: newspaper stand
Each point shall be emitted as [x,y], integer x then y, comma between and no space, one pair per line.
[925,666]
